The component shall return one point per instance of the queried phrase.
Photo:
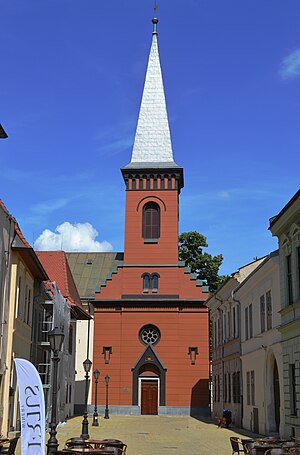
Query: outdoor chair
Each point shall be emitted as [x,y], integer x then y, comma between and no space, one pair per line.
[275,451]
[236,445]
[292,449]
[12,444]
[77,443]
[247,444]
[116,443]
[67,452]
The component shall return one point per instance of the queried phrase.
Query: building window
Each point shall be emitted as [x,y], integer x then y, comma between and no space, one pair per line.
[151,221]
[28,318]
[236,387]
[298,258]
[246,324]
[262,314]
[215,334]
[250,321]
[149,334]
[219,331]
[248,389]
[18,298]
[150,282]
[289,279]
[229,388]
[154,282]
[70,339]
[146,282]
[269,310]
[293,396]
[252,388]
[225,388]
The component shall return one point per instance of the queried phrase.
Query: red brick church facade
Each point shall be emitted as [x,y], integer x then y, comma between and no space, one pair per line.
[151,326]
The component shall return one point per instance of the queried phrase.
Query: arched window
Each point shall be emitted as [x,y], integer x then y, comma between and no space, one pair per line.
[151,221]
[154,282]
[146,282]
[150,282]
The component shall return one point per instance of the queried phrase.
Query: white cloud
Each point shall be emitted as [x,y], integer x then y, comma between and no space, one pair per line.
[290,66]
[71,237]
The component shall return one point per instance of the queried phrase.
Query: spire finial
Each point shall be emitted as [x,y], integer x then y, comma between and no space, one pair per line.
[155,20]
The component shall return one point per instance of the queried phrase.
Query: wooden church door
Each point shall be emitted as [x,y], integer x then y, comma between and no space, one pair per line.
[149,397]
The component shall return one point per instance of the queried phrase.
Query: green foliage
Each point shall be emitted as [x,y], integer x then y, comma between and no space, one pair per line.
[206,266]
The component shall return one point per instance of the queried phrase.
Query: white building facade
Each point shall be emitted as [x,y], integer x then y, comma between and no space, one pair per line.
[286,226]
[261,353]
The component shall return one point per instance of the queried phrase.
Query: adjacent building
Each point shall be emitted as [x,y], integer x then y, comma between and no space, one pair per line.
[20,278]
[286,227]
[261,351]
[67,310]
[227,391]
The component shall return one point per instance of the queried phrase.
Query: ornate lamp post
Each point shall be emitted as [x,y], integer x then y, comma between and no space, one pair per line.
[56,338]
[106,414]
[87,365]
[96,375]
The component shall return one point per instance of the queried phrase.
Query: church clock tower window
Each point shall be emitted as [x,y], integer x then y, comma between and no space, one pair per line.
[151,221]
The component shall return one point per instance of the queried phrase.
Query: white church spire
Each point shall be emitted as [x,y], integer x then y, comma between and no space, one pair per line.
[152,143]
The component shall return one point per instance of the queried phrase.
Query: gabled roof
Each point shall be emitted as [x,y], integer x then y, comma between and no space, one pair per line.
[150,353]
[260,266]
[57,267]
[20,245]
[232,282]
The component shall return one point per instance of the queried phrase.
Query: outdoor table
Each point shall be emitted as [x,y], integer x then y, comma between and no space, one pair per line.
[92,451]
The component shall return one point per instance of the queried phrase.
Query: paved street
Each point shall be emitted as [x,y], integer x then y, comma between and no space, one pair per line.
[151,435]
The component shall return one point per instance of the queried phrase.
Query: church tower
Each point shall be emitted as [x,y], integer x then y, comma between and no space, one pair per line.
[150,319]
[153,180]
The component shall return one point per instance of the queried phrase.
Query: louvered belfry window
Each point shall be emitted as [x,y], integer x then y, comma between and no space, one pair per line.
[151,221]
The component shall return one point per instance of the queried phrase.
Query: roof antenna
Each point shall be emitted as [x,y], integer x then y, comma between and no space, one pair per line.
[155,20]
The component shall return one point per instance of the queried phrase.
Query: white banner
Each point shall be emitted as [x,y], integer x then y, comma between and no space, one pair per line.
[32,408]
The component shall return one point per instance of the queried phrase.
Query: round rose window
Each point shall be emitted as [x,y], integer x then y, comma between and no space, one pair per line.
[149,334]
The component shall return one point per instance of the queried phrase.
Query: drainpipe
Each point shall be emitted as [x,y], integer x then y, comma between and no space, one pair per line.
[222,355]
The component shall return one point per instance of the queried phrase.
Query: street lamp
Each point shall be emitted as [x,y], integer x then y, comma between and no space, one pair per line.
[96,375]
[87,365]
[56,338]
[106,414]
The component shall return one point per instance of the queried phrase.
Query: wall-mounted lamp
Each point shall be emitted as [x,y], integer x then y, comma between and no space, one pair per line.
[107,351]
[193,352]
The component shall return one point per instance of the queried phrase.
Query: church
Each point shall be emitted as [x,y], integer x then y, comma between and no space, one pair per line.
[151,324]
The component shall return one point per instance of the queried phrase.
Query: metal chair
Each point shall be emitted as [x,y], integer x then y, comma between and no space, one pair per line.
[67,452]
[12,444]
[114,443]
[247,445]
[236,445]
[77,443]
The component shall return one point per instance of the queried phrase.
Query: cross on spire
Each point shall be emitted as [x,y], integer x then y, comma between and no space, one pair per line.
[155,20]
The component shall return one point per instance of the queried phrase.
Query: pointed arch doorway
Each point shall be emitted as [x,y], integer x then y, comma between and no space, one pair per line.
[149,382]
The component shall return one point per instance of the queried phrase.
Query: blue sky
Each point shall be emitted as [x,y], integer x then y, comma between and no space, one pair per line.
[72,74]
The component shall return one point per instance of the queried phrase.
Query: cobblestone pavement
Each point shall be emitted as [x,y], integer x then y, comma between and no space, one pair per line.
[156,435]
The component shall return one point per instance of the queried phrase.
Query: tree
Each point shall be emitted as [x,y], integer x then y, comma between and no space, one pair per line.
[206,266]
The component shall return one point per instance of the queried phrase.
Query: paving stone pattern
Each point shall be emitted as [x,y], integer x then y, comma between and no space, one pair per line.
[156,435]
